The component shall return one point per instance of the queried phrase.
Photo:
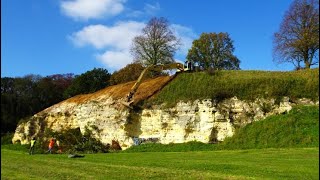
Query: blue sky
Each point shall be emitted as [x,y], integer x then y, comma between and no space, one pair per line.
[48,37]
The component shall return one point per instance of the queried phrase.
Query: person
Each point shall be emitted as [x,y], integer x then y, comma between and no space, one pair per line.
[58,145]
[51,144]
[33,142]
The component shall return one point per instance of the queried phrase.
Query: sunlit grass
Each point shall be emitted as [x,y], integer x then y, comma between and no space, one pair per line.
[246,85]
[301,163]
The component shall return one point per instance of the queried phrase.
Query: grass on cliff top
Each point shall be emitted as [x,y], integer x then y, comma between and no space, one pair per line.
[246,85]
[298,128]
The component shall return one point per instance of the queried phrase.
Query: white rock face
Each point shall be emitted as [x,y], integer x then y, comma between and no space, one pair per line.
[202,120]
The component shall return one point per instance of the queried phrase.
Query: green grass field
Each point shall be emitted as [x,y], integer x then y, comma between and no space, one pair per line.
[295,163]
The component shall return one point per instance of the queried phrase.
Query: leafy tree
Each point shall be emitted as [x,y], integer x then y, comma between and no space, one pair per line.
[7,85]
[297,41]
[22,97]
[88,82]
[156,45]
[213,51]
[16,98]
[130,72]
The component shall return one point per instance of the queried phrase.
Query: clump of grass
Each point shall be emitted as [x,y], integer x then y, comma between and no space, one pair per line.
[16,147]
[177,147]
[246,85]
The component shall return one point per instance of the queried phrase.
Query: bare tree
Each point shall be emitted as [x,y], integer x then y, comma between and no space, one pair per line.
[297,41]
[157,43]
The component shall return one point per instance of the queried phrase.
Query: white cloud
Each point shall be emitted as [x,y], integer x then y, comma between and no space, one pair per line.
[115,59]
[187,35]
[100,36]
[91,9]
[116,41]
[152,8]
[148,10]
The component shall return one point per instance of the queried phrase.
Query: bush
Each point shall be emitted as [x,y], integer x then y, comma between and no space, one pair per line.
[6,138]
[71,141]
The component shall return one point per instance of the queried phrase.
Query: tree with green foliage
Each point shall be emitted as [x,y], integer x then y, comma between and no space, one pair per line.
[213,51]
[130,72]
[157,43]
[297,41]
[88,82]
[24,96]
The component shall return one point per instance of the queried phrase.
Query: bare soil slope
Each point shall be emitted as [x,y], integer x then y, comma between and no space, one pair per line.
[146,89]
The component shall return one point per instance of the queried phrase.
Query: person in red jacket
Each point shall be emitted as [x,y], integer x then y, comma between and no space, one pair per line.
[51,145]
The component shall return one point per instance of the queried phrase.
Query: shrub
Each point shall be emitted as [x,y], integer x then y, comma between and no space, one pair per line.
[6,138]
[71,141]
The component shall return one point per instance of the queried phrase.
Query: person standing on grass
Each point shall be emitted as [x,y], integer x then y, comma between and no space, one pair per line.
[33,142]
[58,145]
[51,145]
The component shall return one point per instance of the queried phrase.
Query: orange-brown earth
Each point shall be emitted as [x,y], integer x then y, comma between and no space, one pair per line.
[146,89]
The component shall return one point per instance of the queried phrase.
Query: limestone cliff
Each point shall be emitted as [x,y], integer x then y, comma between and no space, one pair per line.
[202,120]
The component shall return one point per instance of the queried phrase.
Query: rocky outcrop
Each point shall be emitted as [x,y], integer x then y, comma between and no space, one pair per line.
[204,120]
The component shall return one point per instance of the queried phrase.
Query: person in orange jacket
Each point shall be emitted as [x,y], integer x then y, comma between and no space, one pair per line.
[51,145]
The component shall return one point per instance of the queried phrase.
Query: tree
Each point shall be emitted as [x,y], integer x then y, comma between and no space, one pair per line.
[297,41]
[22,97]
[213,51]
[88,82]
[157,44]
[130,72]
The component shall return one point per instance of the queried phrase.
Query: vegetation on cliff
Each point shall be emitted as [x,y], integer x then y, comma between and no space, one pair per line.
[246,85]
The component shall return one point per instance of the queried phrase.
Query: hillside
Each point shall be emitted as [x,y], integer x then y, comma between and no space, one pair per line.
[187,107]
[246,85]
[298,128]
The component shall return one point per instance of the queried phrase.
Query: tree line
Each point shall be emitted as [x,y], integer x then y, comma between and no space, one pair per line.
[24,96]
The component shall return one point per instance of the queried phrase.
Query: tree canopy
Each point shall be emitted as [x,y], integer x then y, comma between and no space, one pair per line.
[297,40]
[157,43]
[88,82]
[130,72]
[25,96]
[213,51]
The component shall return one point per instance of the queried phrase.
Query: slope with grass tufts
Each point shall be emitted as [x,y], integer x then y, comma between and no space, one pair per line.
[298,128]
[246,85]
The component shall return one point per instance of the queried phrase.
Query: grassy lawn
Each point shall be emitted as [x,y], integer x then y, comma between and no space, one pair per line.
[293,163]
